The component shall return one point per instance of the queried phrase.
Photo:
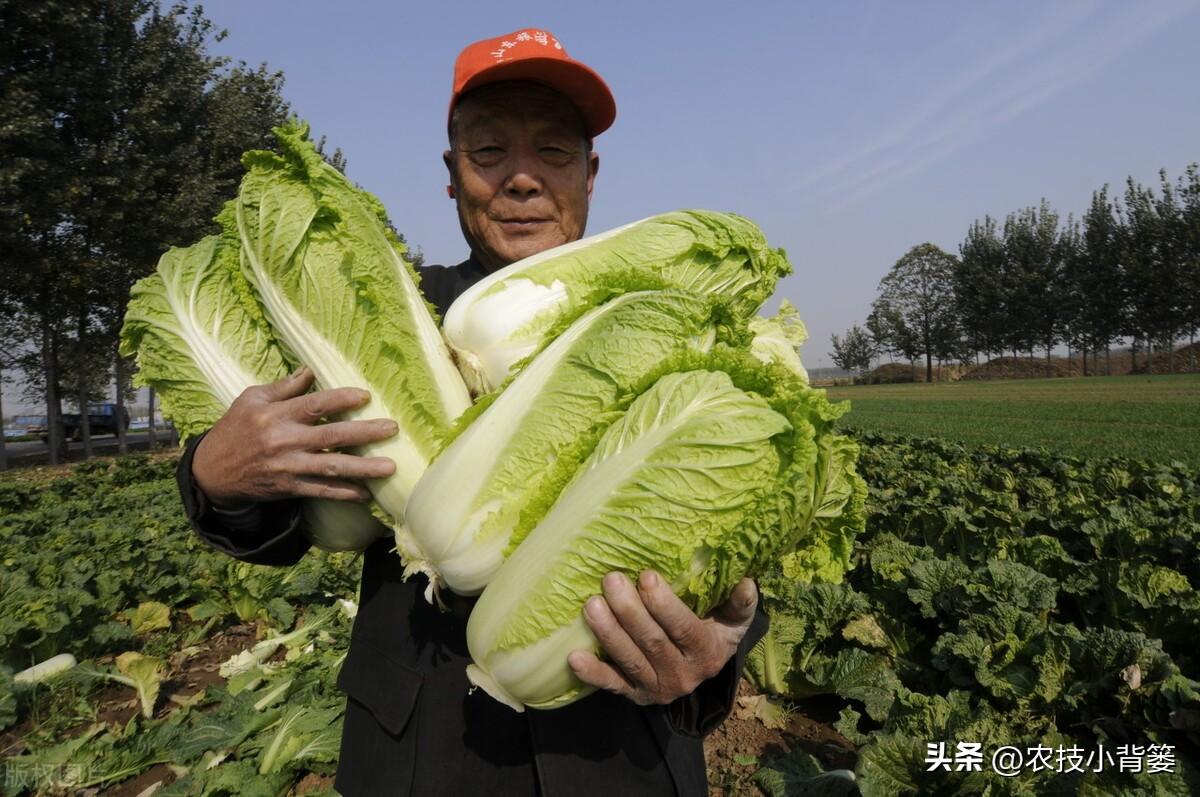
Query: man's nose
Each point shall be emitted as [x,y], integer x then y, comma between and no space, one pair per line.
[525,179]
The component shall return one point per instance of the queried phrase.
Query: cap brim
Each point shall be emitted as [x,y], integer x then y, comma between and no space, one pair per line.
[579,84]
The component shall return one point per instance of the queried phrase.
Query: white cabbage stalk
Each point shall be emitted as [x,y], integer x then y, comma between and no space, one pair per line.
[200,341]
[342,301]
[494,481]
[509,314]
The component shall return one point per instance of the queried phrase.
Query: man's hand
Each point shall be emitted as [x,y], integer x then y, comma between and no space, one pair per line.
[660,650]
[268,446]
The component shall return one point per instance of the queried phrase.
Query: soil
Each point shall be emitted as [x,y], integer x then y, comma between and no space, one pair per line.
[1187,361]
[736,749]
[1117,363]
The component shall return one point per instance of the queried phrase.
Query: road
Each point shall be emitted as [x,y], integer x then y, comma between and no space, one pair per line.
[21,455]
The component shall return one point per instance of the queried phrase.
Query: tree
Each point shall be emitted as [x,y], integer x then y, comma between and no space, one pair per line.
[1074,301]
[1155,255]
[1189,201]
[915,307]
[855,351]
[122,137]
[979,297]
[1097,278]
[1032,281]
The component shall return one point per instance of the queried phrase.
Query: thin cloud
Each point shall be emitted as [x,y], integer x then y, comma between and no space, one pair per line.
[1054,57]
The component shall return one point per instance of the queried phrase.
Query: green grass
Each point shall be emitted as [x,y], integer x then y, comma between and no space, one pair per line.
[1148,417]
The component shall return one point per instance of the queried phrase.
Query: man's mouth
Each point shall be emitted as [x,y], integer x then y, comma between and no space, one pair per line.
[521,224]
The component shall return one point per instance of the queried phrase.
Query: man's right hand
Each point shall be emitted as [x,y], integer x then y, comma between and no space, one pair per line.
[269,446]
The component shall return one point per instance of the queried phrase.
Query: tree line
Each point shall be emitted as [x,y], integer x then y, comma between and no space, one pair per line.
[121,135]
[1127,269]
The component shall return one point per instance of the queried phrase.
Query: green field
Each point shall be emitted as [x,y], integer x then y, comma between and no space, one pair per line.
[1148,417]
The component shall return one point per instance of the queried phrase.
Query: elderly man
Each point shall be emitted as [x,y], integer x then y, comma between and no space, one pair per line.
[522,118]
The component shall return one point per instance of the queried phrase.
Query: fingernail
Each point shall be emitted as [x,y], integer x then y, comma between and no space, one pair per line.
[612,581]
[649,579]
[575,660]
[592,607]
[299,372]
[363,396]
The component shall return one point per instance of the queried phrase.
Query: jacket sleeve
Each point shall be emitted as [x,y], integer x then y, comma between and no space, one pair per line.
[703,710]
[269,533]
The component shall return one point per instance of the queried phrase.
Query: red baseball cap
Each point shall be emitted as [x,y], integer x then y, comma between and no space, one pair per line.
[534,54]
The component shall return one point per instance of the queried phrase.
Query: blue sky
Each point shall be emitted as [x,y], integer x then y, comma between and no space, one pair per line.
[849,131]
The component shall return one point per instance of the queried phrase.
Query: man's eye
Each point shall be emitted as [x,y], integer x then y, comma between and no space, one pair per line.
[558,156]
[487,156]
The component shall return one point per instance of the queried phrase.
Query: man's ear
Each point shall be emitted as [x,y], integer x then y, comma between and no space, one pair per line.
[448,159]
[593,168]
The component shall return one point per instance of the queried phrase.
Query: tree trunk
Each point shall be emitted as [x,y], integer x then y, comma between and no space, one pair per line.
[928,366]
[54,425]
[151,436]
[3,451]
[1192,350]
[119,378]
[1133,347]
[85,418]
[85,421]
[1171,353]
[1108,359]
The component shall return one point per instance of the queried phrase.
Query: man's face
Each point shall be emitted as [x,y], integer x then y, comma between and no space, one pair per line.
[520,170]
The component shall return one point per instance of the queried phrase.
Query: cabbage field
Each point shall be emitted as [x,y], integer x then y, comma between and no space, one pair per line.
[1000,598]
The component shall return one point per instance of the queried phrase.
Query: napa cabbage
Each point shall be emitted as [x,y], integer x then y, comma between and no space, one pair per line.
[200,341]
[517,449]
[340,298]
[509,314]
[707,476]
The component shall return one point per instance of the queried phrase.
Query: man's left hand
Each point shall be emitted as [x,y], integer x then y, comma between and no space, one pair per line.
[659,649]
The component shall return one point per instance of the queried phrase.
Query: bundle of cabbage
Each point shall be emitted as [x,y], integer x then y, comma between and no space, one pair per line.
[341,300]
[510,314]
[519,447]
[709,474]
[200,341]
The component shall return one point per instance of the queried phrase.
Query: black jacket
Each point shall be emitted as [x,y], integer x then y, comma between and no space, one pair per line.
[412,728]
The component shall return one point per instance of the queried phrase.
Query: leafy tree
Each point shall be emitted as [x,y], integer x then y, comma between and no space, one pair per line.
[1098,277]
[126,138]
[855,351]
[1074,301]
[1032,281]
[915,307]
[1155,256]
[978,288]
[1189,201]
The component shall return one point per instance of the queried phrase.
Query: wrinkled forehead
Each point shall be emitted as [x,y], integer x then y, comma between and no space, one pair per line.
[517,103]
